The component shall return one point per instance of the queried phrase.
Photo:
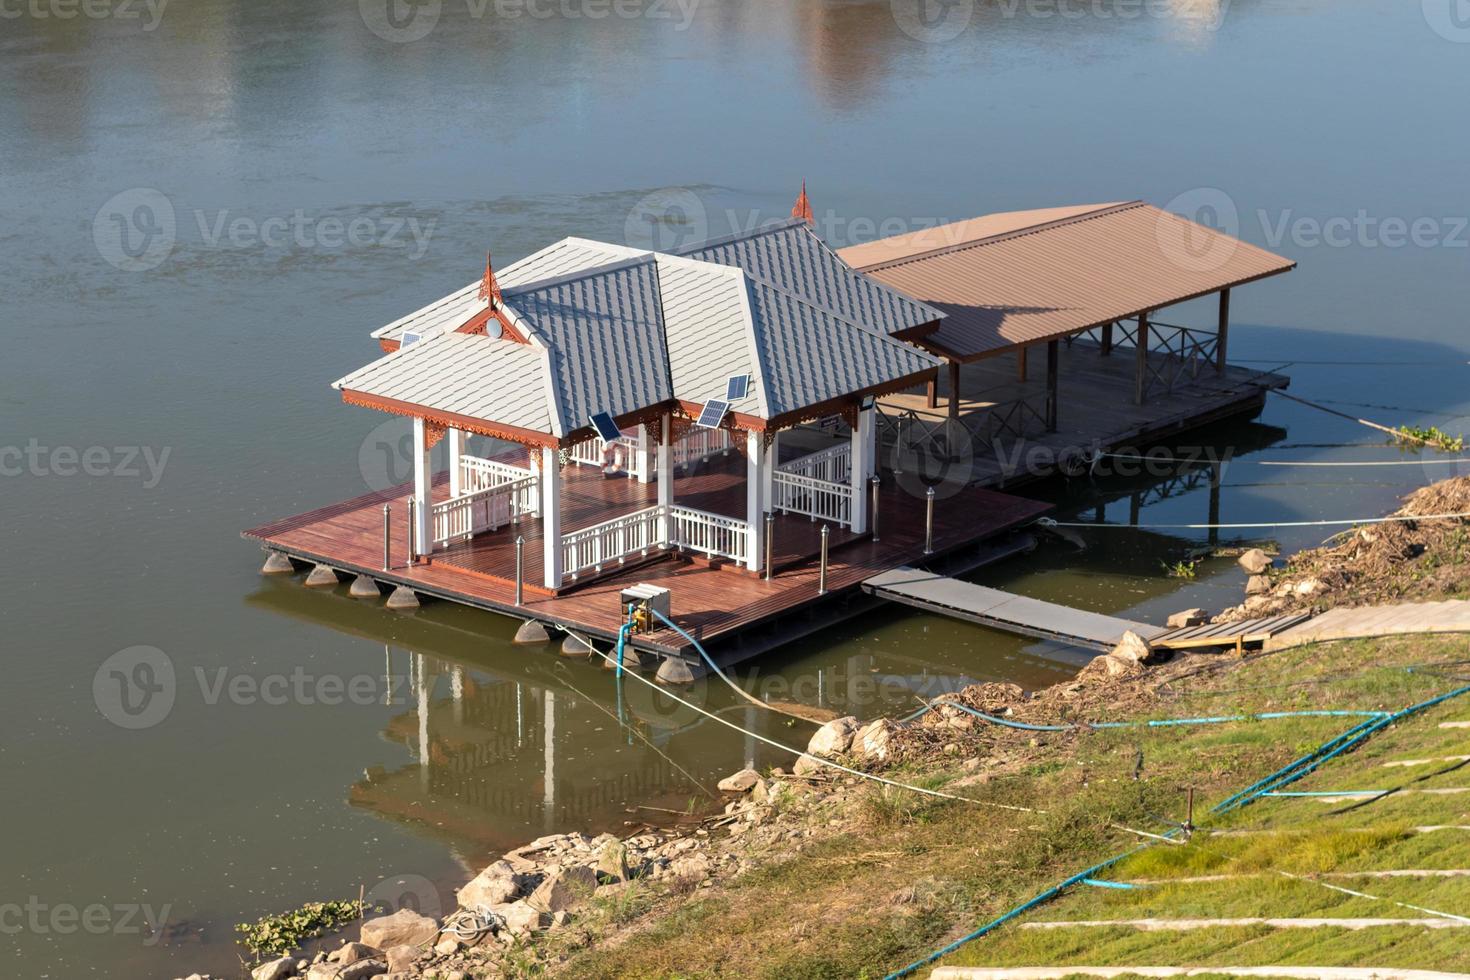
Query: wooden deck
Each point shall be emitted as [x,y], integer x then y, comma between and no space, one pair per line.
[711,600]
[1095,408]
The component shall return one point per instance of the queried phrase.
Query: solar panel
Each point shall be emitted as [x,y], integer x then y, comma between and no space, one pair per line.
[606,427]
[712,414]
[408,337]
[736,387]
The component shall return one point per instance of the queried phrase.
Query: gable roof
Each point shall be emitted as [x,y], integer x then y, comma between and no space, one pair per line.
[791,256]
[615,329]
[1015,279]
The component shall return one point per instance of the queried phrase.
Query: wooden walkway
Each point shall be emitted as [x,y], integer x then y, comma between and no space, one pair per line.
[1450,616]
[1004,610]
[713,601]
[1095,407]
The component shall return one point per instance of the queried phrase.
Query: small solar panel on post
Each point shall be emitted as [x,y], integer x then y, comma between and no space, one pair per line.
[737,387]
[712,414]
[606,428]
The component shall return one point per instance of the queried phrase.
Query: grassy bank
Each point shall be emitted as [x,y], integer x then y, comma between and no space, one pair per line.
[890,875]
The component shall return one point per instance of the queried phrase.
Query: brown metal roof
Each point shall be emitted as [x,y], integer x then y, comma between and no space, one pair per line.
[1006,280]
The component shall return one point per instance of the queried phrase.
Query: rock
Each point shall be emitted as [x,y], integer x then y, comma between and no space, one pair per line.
[575,646]
[275,970]
[353,952]
[402,598]
[321,577]
[564,889]
[875,740]
[364,587]
[532,632]
[971,764]
[612,862]
[277,564]
[1258,585]
[447,946]
[403,928]
[951,749]
[561,918]
[323,971]
[1188,617]
[1309,586]
[1255,561]
[834,738]
[495,885]
[361,970]
[691,867]
[1121,666]
[1132,647]
[806,765]
[401,958]
[741,782]
[674,670]
[521,917]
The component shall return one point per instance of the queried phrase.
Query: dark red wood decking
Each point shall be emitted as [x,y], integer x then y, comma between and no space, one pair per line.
[710,600]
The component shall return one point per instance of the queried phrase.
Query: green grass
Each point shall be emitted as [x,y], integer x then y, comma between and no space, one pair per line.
[910,873]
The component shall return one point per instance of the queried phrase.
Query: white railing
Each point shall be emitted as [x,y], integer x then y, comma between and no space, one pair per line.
[462,517]
[641,532]
[821,500]
[477,474]
[612,541]
[710,534]
[833,464]
[701,444]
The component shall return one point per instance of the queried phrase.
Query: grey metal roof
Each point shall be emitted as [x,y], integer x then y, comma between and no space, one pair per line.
[467,374]
[707,325]
[603,329]
[452,311]
[808,355]
[790,255]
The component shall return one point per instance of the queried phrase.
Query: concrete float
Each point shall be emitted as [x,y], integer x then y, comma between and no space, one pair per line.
[364,587]
[322,577]
[403,598]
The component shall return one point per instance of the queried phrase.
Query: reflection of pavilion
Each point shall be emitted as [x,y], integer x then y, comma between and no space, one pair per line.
[497,762]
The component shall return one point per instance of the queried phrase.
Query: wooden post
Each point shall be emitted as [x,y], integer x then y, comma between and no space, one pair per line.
[1107,339]
[1021,363]
[931,390]
[1222,331]
[954,389]
[1051,385]
[1141,374]
[551,517]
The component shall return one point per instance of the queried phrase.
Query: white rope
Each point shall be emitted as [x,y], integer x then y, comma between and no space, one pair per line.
[1402,905]
[1285,462]
[786,748]
[1050,522]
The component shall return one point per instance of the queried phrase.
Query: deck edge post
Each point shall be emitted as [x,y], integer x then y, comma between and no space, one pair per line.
[1052,356]
[1222,330]
[1140,381]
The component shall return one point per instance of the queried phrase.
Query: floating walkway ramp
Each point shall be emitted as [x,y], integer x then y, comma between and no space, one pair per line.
[1004,610]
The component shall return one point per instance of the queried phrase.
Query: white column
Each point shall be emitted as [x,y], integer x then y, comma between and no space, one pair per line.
[423,479]
[551,516]
[666,472]
[548,778]
[755,484]
[773,459]
[456,440]
[644,456]
[862,468]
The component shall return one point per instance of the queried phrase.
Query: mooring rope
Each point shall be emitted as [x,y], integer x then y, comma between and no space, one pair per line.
[1052,522]
[1330,463]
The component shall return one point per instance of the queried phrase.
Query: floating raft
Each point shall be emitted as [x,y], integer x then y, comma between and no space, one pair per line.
[1004,610]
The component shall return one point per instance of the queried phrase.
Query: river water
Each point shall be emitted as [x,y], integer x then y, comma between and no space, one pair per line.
[207,205]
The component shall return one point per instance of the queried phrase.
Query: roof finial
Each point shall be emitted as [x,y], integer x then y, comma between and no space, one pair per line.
[489,288]
[803,207]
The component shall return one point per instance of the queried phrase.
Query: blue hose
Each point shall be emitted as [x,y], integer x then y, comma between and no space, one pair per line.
[1151,723]
[1286,774]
